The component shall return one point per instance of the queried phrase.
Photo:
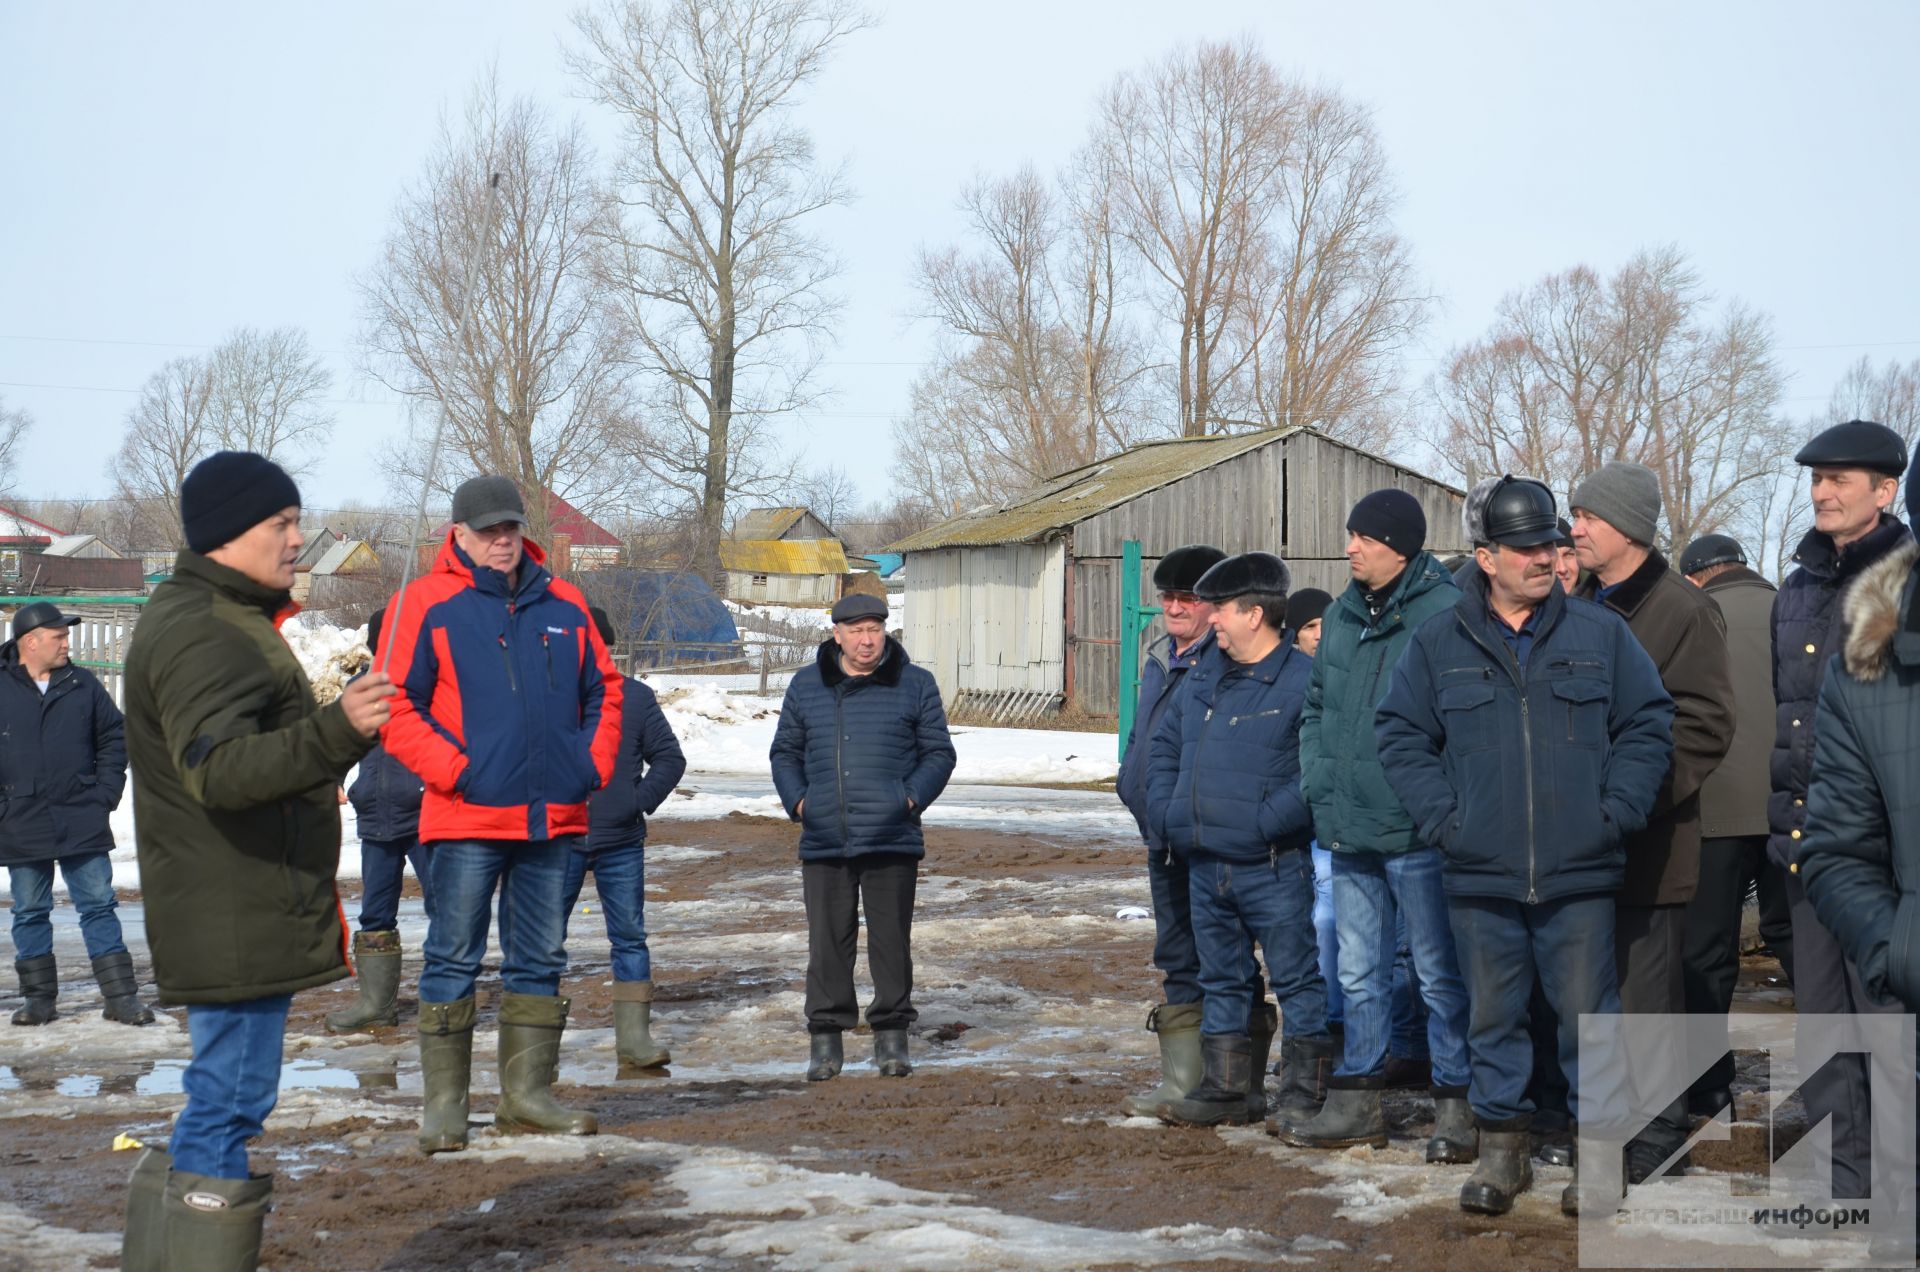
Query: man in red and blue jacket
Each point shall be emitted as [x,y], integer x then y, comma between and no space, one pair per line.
[509,711]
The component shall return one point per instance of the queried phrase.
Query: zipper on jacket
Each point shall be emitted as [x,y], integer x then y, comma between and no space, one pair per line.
[506,660]
[839,764]
[1194,797]
[547,645]
[1505,657]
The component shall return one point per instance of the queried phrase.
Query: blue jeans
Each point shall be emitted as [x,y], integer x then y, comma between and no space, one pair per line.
[383,864]
[1173,950]
[1325,931]
[1378,898]
[89,879]
[620,877]
[532,878]
[232,1083]
[1236,903]
[1502,944]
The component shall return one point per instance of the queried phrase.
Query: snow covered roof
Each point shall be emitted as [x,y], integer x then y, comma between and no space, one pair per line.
[341,557]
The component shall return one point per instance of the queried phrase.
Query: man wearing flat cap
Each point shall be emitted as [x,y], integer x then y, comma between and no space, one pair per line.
[1733,807]
[1189,637]
[1854,474]
[63,765]
[1223,783]
[509,711]
[237,825]
[861,752]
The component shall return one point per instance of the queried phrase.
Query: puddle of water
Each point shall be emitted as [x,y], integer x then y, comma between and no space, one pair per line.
[302,1074]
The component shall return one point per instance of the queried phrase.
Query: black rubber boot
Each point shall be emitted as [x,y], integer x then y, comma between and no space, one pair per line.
[1178,1026]
[826,1058]
[446,1072]
[215,1223]
[1505,1170]
[1305,1065]
[143,1246]
[633,1026]
[1350,1117]
[1260,1030]
[1456,1140]
[1553,1145]
[1226,1061]
[121,988]
[376,961]
[890,1053]
[530,1030]
[39,985]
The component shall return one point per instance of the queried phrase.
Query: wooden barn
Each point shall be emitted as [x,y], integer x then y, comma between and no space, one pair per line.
[1017,606]
[783,556]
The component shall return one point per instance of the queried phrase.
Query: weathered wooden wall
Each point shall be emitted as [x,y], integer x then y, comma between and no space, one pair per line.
[989,620]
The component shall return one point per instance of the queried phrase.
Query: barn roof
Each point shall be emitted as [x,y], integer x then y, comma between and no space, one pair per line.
[581,530]
[783,556]
[766,523]
[1073,496]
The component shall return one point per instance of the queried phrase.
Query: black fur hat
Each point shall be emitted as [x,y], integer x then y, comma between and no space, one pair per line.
[1180,569]
[1238,575]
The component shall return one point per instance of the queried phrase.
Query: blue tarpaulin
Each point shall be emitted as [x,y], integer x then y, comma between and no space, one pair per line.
[668,616]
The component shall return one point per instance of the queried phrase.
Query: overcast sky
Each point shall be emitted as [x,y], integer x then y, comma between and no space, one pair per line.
[171,172]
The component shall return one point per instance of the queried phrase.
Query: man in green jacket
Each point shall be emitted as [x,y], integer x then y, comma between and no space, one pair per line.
[1381,870]
[237,828]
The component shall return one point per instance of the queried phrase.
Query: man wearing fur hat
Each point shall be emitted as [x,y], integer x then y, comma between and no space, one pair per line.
[1223,783]
[1616,512]
[1176,1021]
[237,825]
[1854,474]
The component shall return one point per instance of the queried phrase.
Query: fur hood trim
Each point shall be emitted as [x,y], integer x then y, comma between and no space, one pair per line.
[1872,611]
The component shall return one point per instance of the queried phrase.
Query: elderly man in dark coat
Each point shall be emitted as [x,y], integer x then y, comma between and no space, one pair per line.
[63,766]
[861,752]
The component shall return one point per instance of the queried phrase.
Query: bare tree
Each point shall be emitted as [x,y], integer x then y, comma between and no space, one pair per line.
[267,389]
[724,291]
[14,425]
[1577,371]
[534,385]
[169,430]
[1889,395]
[829,493]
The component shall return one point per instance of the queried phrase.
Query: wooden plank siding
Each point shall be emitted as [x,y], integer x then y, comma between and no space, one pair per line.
[989,620]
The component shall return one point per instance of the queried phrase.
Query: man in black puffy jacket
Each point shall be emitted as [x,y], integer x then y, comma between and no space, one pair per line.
[1854,475]
[861,751]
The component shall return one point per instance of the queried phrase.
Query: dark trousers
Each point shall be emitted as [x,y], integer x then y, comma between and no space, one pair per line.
[836,892]
[1174,952]
[1711,954]
[1826,984]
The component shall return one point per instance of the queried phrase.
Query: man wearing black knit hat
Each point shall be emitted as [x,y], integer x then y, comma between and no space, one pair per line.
[1223,782]
[237,827]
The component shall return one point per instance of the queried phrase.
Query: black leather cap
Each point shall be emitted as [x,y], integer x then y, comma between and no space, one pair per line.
[1181,568]
[31,618]
[1856,444]
[1520,513]
[1238,575]
[1710,550]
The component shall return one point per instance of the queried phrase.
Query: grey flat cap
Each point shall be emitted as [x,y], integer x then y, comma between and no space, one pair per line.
[488,501]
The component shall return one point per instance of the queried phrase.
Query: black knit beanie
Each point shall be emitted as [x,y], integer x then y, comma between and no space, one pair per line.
[1394,517]
[229,493]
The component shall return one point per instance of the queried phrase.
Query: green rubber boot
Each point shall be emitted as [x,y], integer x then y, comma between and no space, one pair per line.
[446,1072]
[213,1225]
[143,1247]
[530,1029]
[1178,1025]
[376,959]
[632,1026]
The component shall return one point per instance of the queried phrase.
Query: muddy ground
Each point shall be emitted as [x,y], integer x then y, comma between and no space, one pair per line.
[1005,1148]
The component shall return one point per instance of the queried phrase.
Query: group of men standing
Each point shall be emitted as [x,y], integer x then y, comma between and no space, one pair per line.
[1543,775]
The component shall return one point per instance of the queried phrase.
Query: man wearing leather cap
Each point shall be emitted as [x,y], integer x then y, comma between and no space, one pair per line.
[1527,734]
[861,753]
[1854,473]
[1733,808]
[1189,637]
[509,711]
[1223,783]
[63,765]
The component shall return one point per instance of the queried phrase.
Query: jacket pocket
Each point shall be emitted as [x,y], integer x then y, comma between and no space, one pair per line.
[1581,712]
[1469,713]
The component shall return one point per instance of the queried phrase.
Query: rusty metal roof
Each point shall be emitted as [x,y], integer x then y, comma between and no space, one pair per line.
[783,556]
[1079,493]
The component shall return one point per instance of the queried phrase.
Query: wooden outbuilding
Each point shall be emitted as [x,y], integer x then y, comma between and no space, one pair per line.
[1017,606]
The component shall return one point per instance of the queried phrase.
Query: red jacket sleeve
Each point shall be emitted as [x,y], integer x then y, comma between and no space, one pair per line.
[432,745]
[605,693]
